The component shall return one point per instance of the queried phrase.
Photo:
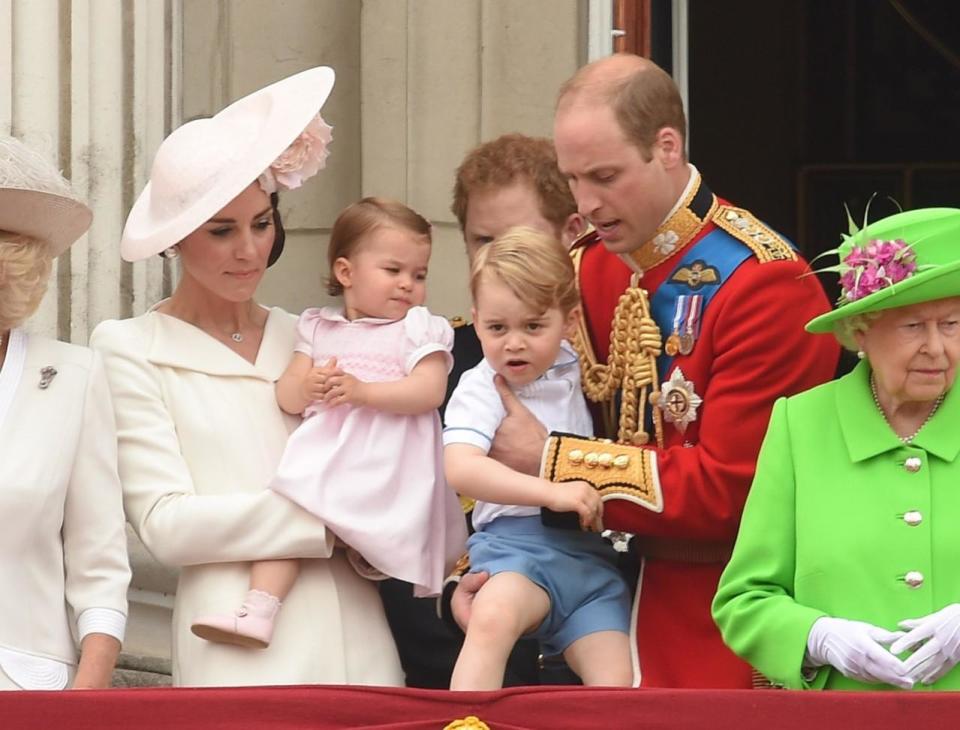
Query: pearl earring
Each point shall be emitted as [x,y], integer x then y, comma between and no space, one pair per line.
[861,354]
[170,252]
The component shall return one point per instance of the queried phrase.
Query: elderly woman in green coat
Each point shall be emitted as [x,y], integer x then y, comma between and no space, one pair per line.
[846,571]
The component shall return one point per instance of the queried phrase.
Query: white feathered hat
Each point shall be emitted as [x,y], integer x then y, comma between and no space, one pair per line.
[36,200]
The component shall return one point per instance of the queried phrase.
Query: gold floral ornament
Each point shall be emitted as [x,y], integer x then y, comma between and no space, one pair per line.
[470,722]
[631,367]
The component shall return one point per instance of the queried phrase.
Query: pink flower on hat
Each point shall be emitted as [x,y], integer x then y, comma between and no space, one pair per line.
[878,265]
[303,159]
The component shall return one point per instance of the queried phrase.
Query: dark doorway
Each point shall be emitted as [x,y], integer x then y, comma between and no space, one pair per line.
[799,107]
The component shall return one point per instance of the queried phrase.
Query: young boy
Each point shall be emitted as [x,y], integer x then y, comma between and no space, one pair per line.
[559,586]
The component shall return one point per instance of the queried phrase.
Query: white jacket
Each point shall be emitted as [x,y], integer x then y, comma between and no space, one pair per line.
[61,520]
[200,435]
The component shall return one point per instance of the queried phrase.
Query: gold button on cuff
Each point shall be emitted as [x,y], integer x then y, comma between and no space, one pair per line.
[605,460]
[591,459]
[622,461]
[914,579]
[913,464]
[576,456]
[913,518]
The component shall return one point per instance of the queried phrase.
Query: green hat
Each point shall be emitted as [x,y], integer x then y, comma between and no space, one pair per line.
[926,265]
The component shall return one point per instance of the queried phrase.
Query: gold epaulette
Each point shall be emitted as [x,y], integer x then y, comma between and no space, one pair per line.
[615,470]
[457,321]
[584,239]
[766,244]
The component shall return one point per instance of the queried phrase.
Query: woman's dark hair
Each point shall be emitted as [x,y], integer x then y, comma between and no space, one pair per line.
[279,235]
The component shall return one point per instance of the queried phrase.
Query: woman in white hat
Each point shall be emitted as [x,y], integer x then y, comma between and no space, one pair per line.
[200,432]
[65,568]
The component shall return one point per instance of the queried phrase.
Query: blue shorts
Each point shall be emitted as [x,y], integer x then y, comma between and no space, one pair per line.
[578,570]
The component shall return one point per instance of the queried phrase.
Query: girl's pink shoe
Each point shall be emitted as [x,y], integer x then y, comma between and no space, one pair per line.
[250,626]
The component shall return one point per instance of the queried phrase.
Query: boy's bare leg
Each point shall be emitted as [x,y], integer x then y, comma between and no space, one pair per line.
[507,606]
[602,659]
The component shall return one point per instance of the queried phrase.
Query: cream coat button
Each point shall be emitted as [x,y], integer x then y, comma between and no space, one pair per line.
[912,464]
[913,518]
[914,579]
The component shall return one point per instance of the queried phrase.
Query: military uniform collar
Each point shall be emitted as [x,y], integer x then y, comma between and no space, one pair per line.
[691,212]
[867,433]
[179,344]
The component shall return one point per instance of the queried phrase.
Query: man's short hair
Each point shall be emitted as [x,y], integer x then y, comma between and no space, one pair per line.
[644,100]
[509,159]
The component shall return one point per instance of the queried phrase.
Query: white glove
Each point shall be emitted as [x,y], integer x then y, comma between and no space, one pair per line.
[940,653]
[857,650]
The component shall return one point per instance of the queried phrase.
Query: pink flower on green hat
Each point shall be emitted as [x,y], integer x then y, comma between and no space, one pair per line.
[879,264]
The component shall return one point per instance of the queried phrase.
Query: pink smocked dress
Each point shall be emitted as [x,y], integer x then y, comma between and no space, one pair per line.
[376,478]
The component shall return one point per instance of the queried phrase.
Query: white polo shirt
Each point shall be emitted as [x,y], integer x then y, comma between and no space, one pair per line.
[475,411]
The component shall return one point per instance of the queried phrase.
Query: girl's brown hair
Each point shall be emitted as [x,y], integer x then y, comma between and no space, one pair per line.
[359,219]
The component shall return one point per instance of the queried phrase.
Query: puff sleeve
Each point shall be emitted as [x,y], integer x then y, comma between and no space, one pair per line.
[307,325]
[426,334]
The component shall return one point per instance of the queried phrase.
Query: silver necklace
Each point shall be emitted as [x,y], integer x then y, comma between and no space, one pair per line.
[904,439]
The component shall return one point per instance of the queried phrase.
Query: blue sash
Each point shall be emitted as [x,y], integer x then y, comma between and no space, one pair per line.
[717,252]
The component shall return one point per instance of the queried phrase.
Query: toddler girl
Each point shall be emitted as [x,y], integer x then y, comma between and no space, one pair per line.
[560,586]
[368,378]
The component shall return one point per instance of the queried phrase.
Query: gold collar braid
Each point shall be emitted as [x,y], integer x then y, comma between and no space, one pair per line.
[631,367]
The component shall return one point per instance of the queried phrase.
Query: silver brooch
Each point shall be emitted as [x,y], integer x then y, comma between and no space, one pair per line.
[47,374]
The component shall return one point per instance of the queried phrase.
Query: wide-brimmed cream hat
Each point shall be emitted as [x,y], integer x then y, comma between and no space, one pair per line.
[36,200]
[206,163]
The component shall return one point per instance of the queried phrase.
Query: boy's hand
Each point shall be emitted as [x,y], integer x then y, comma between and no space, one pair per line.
[581,498]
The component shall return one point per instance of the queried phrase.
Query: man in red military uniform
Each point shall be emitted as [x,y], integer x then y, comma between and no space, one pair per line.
[729,298]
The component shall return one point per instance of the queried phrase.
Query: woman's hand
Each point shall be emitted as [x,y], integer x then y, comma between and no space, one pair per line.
[938,639]
[579,497]
[98,656]
[857,650]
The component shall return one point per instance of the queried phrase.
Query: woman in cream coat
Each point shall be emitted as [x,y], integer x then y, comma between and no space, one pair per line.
[200,432]
[64,568]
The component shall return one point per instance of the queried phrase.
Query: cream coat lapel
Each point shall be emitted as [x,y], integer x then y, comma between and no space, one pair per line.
[178,344]
[12,370]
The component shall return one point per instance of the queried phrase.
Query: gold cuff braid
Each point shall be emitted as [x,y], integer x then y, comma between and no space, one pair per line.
[615,470]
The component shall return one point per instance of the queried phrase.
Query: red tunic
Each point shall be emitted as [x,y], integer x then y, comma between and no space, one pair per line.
[752,349]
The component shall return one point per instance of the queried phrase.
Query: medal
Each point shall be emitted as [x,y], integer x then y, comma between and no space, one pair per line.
[672,345]
[686,325]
